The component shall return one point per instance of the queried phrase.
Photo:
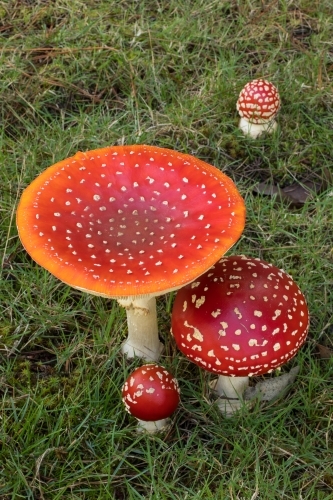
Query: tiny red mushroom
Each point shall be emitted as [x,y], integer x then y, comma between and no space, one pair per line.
[121,222]
[151,394]
[258,104]
[243,317]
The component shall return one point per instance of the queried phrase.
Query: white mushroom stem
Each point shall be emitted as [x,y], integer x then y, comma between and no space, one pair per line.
[256,129]
[235,392]
[231,387]
[231,391]
[152,427]
[142,340]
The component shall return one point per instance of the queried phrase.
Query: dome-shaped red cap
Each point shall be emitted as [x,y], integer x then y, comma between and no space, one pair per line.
[243,317]
[258,101]
[151,393]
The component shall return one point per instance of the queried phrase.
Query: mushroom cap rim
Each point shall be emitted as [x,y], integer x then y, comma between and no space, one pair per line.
[145,291]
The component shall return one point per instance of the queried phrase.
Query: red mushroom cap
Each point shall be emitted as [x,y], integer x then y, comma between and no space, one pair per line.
[259,101]
[243,317]
[129,220]
[151,393]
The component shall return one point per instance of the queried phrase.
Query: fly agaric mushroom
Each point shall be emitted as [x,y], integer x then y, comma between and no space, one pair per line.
[243,317]
[121,222]
[258,104]
[151,394]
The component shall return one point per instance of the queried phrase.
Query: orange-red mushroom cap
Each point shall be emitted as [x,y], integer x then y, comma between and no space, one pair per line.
[129,220]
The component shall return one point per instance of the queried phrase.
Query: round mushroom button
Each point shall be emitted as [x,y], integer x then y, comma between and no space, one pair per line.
[151,393]
[258,104]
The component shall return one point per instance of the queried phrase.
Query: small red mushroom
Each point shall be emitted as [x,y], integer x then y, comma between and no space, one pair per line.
[243,317]
[121,222]
[258,104]
[151,394]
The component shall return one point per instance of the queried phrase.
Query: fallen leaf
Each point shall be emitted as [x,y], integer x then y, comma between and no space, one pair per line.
[324,352]
[274,387]
[267,189]
[297,193]
[302,31]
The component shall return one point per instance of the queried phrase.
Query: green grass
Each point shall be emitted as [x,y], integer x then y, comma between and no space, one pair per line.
[82,75]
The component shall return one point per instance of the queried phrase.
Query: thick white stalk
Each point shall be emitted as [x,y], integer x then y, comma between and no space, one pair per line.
[152,427]
[231,387]
[231,391]
[234,392]
[256,129]
[142,340]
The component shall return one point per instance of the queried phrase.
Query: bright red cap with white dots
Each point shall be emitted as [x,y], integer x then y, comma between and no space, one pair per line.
[259,101]
[243,317]
[151,393]
[129,220]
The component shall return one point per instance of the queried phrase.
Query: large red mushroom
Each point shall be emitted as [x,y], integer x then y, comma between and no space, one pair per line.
[151,394]
[243,317]
[131,223]
[258,104]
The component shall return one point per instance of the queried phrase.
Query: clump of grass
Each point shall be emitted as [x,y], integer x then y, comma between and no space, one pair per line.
[78,76]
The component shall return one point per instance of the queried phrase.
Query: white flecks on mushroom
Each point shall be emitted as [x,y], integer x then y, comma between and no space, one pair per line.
[133,215]
[151,394]
[252,332]
[258,104]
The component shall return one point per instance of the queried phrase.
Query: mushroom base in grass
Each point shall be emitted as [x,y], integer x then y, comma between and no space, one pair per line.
[254,130]
[234,392]
[230,391]
[242,318]
[154,426]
